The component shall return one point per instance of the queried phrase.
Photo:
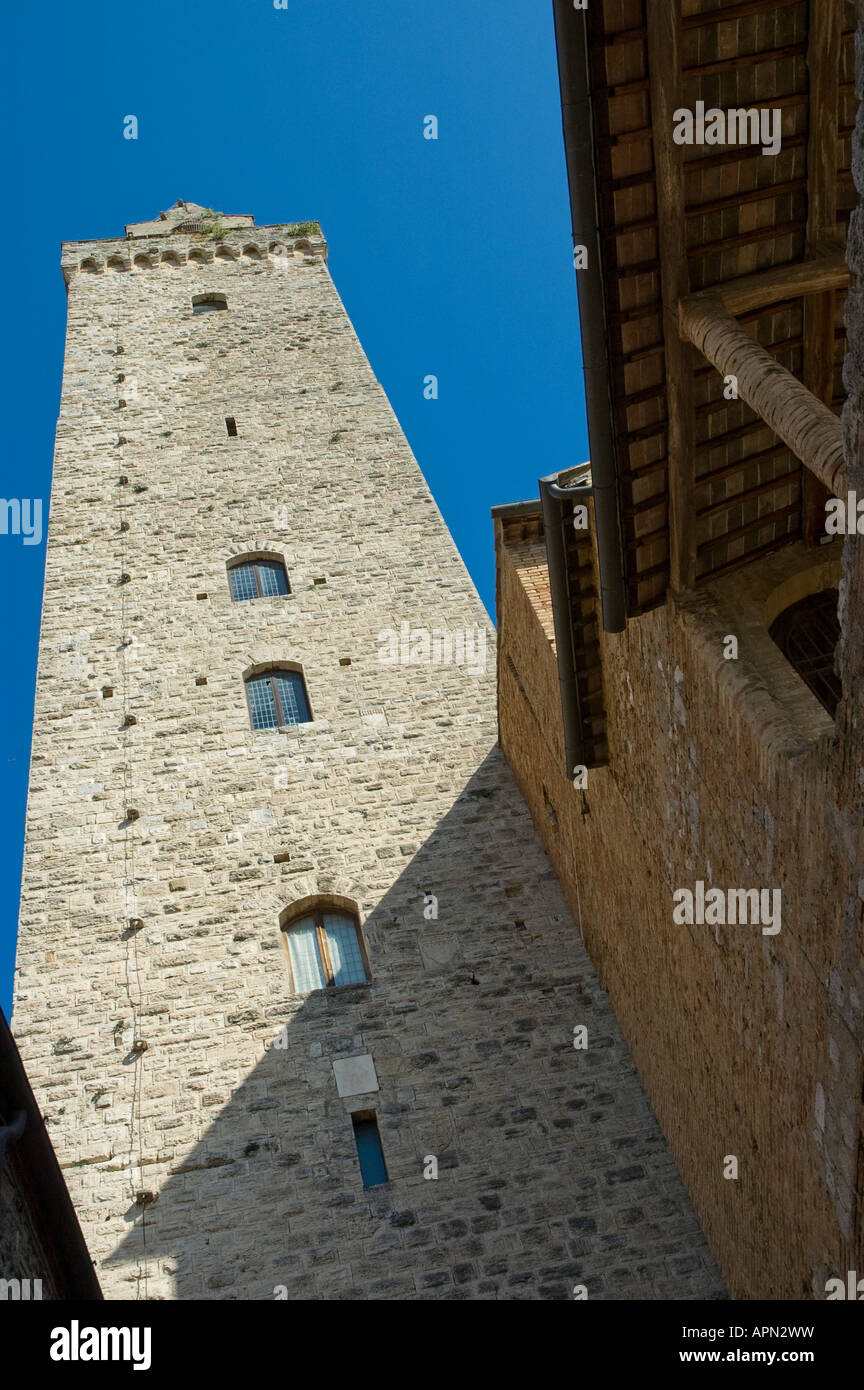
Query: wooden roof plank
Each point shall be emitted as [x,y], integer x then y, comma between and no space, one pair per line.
[664,65]
[823,63]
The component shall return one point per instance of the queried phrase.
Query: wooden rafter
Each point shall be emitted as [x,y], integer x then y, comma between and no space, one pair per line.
[823,62]
[759,237]
[822,273]
[664,63]
[812,431]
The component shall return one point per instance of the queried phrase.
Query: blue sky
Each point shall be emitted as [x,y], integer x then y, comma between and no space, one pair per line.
[452,257]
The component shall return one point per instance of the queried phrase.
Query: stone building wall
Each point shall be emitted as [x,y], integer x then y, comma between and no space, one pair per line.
[25,1272]
[728,772]
[204,1161]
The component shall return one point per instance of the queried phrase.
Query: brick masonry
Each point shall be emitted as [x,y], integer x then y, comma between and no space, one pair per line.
[211,1164]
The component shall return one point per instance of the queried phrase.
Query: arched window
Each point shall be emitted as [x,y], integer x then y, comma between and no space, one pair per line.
[807,634]
[208,303]
[264,578]
[277,698]
[325,950]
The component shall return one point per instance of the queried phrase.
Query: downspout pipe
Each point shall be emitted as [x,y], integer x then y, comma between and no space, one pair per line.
[555,519]
[571,31]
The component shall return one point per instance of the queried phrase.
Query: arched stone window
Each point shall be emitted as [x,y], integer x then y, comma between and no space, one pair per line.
[277,698]
[807,634]
[258,576]
[208,303]
[325,948]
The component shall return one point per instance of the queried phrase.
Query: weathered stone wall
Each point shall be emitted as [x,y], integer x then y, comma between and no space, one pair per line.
[552,1170]
[23,1264]
[722,771]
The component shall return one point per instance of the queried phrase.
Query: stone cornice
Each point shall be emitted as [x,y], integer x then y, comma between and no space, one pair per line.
[265,246]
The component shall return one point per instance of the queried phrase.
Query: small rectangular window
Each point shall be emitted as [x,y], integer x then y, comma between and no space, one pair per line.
[369,1151]
[231,425]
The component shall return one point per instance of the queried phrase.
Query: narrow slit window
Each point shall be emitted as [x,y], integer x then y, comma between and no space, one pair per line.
[231,426]
[373,1169]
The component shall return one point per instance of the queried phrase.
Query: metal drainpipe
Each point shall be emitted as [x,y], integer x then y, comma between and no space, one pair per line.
[554,521]
[572,40]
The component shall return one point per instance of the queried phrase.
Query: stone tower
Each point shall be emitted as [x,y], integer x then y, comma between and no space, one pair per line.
[255,963]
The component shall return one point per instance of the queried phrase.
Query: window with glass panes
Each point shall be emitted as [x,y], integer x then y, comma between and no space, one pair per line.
[277,698]
[325,951]
[258,579]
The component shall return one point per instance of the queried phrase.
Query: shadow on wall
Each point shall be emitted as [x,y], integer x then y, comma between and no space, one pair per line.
[552,1170]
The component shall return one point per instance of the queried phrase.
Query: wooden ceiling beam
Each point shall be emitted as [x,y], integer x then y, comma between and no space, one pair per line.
[811,430]
[734,13]
[822,272]
[824,41]
[665,46]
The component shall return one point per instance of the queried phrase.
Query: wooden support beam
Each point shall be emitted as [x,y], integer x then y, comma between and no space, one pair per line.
[818,377]
[822,273]
[663,23]
[823,63]
[812,431]
[824,41]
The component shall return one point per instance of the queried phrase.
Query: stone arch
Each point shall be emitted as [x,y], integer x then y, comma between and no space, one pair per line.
[319,897]
[118,263]
[252,253]
[259,668]
[248,556]
[143,261]
[91,266]
[225,253]
[202,302]
[825,574]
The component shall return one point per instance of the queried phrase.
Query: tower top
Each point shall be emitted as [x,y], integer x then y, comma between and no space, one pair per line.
[188,217]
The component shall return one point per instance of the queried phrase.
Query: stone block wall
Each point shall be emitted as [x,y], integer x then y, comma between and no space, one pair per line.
[165,838]
[728,772]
